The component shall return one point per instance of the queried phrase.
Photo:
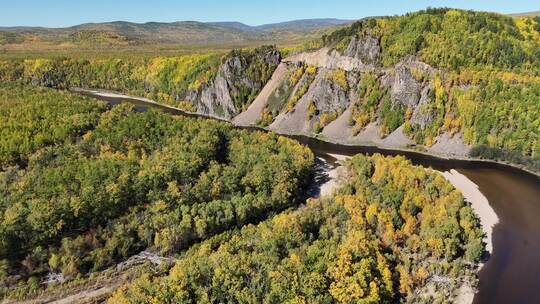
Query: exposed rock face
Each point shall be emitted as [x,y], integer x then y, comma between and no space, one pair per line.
[412,62]
[449,145]
[253,113]
[404,88]
[296,120]
[362,54]
[217,98]
[327,95]
[367,49]
[330,59]
[409,83]
[422,116]
[273,57]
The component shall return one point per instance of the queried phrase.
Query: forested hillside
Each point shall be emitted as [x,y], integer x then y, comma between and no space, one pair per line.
[453,39]
[433,80]
[216,84]
[159,78]
[487,86]
[185,33]
[451,82]
[392,233]
[105,187]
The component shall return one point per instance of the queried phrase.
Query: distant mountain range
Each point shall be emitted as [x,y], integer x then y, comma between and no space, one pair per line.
[526,14]
[182,32]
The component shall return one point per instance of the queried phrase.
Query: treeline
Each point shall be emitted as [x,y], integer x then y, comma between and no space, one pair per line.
[486,152]
[10,38]
[167,80]
[159,78]
[392,233]
[450,38]
[136,180]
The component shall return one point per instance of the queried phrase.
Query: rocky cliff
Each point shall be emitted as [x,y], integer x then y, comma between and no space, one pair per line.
[239,79]
[326,102]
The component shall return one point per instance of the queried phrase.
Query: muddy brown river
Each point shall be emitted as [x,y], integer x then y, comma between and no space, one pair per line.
[512,272]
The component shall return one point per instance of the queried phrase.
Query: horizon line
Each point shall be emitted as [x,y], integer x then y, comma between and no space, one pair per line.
[252,25]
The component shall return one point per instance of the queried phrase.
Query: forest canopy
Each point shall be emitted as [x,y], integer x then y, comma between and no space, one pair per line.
[133,181]
[452,39]
[486,84]
[31,121]
[160,78]
[391,233]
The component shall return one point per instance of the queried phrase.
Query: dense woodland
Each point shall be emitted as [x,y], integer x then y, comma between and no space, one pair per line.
[487,88]
[132,181]
[160,78]
[84,186]
[385,236]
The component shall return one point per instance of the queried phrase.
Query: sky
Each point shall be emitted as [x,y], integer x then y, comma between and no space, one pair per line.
[62,13]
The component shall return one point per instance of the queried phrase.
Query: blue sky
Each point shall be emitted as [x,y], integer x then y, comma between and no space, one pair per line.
[61,13]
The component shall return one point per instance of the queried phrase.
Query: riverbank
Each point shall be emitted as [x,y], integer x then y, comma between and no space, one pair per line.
[419,152]
[117,95]
[110,94]
[470,191]
[479,203]
[486,214]
[335,175]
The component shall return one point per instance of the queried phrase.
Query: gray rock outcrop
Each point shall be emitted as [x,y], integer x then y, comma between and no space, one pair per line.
[422,115]
[367,49]
[404,88]
[327,95]
[216,98]
[330,59]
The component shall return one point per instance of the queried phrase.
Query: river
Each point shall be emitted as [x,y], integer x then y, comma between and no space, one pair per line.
[512,272]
